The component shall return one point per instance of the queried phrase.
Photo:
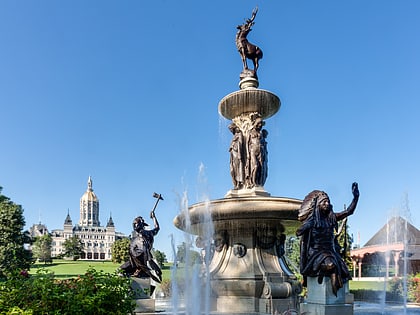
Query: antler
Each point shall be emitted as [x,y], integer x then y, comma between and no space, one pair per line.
[250,22]
[254,13]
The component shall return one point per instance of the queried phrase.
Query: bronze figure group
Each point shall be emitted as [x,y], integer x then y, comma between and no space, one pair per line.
[248,152]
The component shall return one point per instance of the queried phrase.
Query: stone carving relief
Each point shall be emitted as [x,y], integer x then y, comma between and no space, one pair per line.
[248,151]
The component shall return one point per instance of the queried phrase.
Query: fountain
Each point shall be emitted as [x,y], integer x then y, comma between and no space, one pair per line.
[247,269]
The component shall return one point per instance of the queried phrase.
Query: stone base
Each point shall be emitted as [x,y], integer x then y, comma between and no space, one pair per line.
[322,293]
[250,305]
[248,81]
[144,306]
[245,192]
[322,309]
[233,304]
[321,299]
[141,288]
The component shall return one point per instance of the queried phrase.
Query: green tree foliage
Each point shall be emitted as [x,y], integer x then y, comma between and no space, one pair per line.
[119,250]
[160,257]
[345,241]
[13,255]
[41,249]
[183,253]
[293,254]
[73,247]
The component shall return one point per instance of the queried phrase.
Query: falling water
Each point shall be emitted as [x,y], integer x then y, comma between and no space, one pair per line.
[175,295]
[393,235]
[407,215]
[193,287]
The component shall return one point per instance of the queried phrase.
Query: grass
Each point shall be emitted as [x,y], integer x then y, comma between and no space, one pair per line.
[367,285]
[64,269]
[166,271]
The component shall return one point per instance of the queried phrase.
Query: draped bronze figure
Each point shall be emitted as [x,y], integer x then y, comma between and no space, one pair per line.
[141,263]
[319,248]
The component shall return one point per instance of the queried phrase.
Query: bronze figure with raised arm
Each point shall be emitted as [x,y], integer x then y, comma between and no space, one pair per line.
[141,262]
[319,254]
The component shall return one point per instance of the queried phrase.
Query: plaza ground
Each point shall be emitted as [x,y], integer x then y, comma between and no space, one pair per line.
[165,306]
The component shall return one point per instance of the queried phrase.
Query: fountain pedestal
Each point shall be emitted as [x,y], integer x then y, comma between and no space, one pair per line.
[255,282]
[321,299]
[248,272]
[141,288]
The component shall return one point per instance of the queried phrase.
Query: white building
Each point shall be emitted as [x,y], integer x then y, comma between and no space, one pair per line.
[97,239]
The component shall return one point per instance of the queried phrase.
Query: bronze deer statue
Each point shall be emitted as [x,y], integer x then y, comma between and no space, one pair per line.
[245,48]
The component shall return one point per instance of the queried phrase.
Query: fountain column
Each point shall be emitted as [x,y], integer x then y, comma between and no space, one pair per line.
[248,270]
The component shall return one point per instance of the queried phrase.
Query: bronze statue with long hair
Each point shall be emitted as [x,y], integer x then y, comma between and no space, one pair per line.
[319,248]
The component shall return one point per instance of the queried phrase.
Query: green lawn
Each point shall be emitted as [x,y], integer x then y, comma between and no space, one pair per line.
[366,285]
[70,269]
[63,269]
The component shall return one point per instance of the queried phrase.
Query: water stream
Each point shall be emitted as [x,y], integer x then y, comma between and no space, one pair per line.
[190,280]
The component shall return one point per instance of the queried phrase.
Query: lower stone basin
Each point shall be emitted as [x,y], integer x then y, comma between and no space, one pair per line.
[248,271]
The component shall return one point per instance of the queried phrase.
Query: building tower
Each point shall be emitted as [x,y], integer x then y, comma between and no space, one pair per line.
[89,207]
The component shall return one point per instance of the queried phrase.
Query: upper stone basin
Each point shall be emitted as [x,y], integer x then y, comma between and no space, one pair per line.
[244,211]
[248,101]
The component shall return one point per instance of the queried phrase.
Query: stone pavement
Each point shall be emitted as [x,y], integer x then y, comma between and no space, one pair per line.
[387,309]
[360,308]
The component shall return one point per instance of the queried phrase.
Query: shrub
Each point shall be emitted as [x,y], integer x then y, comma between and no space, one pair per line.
[395,292]
[414,288]
[396,289]
[92,293]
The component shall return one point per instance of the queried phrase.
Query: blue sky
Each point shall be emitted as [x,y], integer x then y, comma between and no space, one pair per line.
[127,92]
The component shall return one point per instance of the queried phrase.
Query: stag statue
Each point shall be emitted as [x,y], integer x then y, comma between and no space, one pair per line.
[245,48]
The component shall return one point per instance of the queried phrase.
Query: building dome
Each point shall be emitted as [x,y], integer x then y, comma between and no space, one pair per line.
[89,207]
[89,195]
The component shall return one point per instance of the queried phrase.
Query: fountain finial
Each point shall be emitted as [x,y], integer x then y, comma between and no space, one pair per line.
[250,51]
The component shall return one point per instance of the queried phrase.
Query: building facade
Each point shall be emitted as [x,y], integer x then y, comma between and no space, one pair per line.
[384,255]
[97,240]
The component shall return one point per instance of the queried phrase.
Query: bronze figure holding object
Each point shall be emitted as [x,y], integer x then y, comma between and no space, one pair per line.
[141,263]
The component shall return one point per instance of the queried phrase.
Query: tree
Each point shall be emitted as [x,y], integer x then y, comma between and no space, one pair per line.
[160,257]
[73,247]
[13,256]
[119,250]
[293,254]
[41,249]
[345,240]
[183,254]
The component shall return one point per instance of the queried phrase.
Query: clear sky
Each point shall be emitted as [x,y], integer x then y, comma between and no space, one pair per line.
[127,92]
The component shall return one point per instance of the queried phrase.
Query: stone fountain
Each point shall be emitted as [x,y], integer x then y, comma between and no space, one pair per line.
[248,271]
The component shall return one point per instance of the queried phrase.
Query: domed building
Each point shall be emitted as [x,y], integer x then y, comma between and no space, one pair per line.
[89,207]
[96,239]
